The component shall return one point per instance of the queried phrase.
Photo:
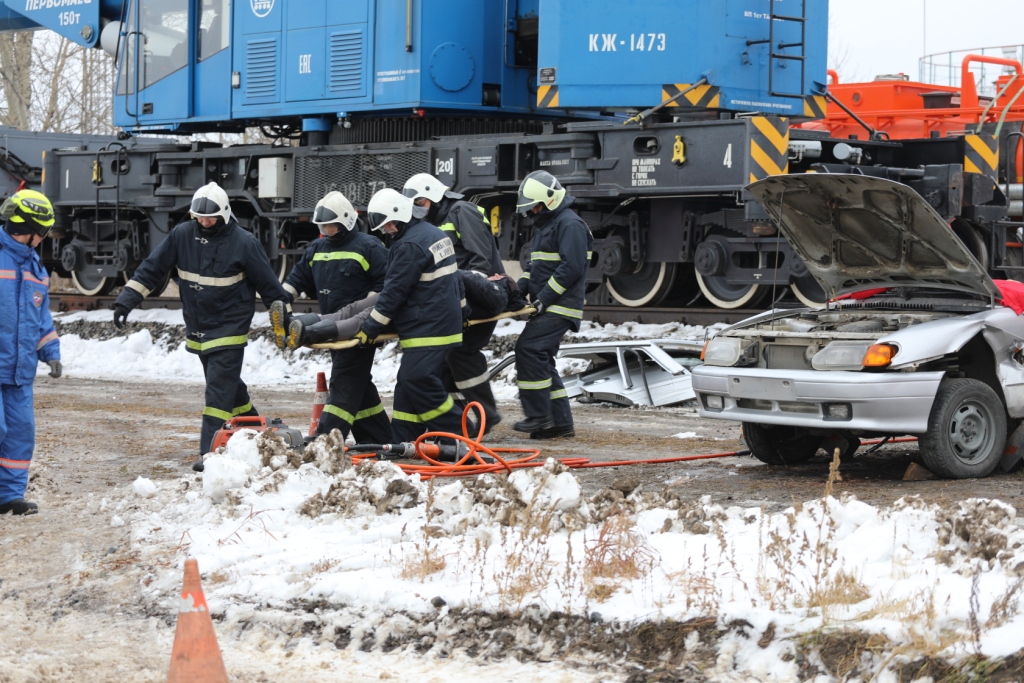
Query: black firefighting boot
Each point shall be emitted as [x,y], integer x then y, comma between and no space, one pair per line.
[535,424]
[19,506]
[297,329]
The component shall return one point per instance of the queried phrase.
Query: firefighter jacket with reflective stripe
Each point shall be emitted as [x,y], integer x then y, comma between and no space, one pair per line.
[218,274]
[26,328]
[422,292]
[557,270]
[475,247]
[339,269]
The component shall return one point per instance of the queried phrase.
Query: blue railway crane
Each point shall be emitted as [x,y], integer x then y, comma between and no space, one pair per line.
[655,115]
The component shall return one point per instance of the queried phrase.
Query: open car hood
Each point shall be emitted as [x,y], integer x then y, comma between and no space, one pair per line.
[855,232]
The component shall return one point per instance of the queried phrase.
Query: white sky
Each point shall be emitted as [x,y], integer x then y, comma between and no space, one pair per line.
[887,36]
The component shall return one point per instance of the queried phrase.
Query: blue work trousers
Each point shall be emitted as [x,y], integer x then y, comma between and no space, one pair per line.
[17,439]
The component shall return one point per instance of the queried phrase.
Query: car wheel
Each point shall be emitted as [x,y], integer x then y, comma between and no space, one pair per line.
[778,445]
[966,430]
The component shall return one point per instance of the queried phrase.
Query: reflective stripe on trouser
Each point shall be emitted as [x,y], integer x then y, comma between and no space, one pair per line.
[535,367]
[354,404]
[226,393]
[468,369]
[421,402]
[17,439]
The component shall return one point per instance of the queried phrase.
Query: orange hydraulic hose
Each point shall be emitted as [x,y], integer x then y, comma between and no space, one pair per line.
[473,462]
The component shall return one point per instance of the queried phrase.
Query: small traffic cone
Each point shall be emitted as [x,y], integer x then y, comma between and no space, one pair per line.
[195,657]
[319,401]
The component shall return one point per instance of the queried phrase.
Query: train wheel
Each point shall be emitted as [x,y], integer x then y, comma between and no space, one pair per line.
[713,260]
[648,286]
[92,285]
[725,295]
[808,292]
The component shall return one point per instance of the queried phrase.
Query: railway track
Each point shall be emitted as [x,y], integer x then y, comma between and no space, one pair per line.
[601,314]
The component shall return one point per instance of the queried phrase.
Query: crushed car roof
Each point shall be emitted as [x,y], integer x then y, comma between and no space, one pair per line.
[857,232]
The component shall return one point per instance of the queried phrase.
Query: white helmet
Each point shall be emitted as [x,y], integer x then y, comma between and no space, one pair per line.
[429,187]
[335,208]
[211,200]
[388,205]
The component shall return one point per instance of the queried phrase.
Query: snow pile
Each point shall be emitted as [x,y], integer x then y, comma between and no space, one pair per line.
[276,528]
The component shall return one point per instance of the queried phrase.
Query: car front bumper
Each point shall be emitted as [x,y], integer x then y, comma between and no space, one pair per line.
[887,403]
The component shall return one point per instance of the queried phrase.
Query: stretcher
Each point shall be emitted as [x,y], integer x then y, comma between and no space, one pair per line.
[352,343]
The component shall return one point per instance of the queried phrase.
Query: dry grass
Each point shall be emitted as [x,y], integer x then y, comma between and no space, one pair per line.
[618,554]
[253,520]
[426,559]
[527,567]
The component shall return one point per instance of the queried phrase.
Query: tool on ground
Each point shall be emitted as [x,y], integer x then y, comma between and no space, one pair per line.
[195,657]
[292,437]
[352,343]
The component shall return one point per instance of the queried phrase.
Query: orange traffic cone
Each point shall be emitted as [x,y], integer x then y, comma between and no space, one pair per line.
[195,657]
[319,401]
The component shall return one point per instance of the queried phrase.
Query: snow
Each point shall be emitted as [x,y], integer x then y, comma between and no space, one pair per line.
[141,356]
[144,487]
[685,435]
[359,538]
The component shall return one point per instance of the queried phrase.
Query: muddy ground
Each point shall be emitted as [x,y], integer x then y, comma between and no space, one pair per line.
[70,607]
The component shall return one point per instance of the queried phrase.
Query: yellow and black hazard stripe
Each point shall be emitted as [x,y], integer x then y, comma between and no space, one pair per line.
[702,97]
[769,146]
[815,106]
[981,154]
[547,96]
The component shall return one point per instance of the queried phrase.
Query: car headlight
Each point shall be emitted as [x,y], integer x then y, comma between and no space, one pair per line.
[724,351]
[841,355]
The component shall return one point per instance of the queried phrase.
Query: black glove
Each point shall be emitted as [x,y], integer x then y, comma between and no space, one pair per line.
[364,339]
[56,369]
[540,307]
[120,315]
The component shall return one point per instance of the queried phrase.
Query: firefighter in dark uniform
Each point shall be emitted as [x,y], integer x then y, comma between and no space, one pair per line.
[422,297]
[219,267]
[342,267]
[476,252]
[555,278]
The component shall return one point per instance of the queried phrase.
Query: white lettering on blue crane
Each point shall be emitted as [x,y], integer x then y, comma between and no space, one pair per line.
[306,64]
[261,8]
[31,5]
[638,42]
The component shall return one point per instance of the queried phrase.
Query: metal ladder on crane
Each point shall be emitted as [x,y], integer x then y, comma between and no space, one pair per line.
[775,52]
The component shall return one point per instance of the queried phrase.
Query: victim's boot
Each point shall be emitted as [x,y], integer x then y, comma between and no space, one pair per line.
[296,328]
[279,320]
[304,334]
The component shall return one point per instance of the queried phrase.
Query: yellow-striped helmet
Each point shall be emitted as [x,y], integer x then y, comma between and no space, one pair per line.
[27,212]
[540,187]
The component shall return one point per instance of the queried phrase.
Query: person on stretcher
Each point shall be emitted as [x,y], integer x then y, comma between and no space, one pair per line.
[486,297]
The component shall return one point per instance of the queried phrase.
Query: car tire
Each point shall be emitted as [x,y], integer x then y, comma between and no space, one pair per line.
[777,445]
[966,430]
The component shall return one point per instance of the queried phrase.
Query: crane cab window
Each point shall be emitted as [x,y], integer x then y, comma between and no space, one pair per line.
[162,35]
[214,28]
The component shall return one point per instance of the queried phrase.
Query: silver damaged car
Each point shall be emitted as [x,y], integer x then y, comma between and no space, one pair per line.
[933,355]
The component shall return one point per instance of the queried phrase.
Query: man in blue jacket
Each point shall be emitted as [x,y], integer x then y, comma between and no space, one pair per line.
[219,267]
[26,337]
[556,279]
[423,297]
